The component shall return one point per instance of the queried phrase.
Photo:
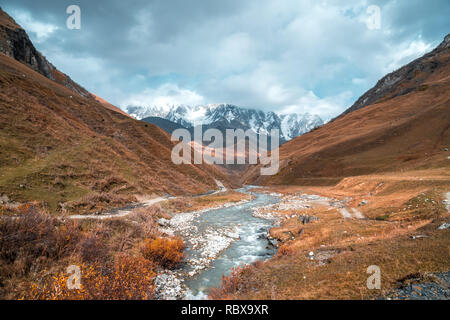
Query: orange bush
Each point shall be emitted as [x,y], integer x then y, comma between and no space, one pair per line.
[130,278]
[168,253]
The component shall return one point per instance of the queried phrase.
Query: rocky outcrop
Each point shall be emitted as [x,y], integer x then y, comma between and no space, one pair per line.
[404,80]
[15,43]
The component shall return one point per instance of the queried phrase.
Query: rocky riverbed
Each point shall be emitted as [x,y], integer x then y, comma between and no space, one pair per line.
[230,235]
[217,239]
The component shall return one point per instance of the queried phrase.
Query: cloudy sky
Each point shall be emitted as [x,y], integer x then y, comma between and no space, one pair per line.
[280,55]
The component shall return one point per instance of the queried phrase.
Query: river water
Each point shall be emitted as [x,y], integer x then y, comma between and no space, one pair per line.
[248,241]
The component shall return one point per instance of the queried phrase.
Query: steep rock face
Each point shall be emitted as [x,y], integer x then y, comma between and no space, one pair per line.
[404,80]
[15,43]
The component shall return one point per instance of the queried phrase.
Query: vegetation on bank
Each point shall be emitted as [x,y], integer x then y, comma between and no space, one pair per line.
[328,258]
[118,258]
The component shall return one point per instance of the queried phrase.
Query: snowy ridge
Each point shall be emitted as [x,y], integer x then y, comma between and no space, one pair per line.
[227,115]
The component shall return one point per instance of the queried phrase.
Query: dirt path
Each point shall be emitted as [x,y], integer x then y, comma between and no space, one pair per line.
[142,204]
[120,213]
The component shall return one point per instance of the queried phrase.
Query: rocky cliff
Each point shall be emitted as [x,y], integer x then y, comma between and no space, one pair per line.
[15,43]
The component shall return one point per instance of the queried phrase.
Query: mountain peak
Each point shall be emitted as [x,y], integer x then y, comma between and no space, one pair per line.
[230,116]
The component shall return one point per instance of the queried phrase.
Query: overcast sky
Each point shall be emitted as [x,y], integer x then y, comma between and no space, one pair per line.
[280,55]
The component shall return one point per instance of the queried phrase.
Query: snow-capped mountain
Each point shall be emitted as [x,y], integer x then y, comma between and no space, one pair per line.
[231,116]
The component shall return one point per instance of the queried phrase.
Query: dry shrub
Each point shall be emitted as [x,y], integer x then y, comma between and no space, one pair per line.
[92,249]
[146,221]
[35,246]
[166,252]
[31,243]
[98,202]
[228,285]
[129,278]
[179,204]
[285,250]
[32,239]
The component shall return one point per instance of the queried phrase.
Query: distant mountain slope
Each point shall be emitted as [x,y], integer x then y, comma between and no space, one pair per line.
[108,105]
[400,132]
[227,116]
[404,80]
[167,125]
[67,150]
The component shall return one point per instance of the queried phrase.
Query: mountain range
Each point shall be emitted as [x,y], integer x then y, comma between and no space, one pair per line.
[228,116]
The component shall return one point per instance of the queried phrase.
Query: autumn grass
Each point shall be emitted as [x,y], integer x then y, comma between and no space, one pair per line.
[343,249]
[37,247]
[167,252]
[58,148]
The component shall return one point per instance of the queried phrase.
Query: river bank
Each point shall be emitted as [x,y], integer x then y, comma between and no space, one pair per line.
[217,239]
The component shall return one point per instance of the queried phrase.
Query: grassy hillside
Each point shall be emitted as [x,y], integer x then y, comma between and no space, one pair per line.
[403,132]
[57,146]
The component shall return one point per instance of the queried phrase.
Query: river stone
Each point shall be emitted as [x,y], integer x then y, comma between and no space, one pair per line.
[164,222]
[444,226]
[363,203]
[272,242]
[4,199]
[304,218]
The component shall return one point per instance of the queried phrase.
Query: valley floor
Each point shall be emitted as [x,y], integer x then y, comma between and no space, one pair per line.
[329,236]
[326,238]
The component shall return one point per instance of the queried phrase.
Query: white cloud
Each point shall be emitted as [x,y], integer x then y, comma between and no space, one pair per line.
[165,95]
[406,52]
[42,30]
[300,55]
[324,107]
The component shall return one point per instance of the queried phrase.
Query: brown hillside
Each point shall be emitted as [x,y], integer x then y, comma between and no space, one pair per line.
[57,147]
[403,132]
[109,106]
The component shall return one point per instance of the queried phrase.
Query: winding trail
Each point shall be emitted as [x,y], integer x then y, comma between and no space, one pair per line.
[120,213]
